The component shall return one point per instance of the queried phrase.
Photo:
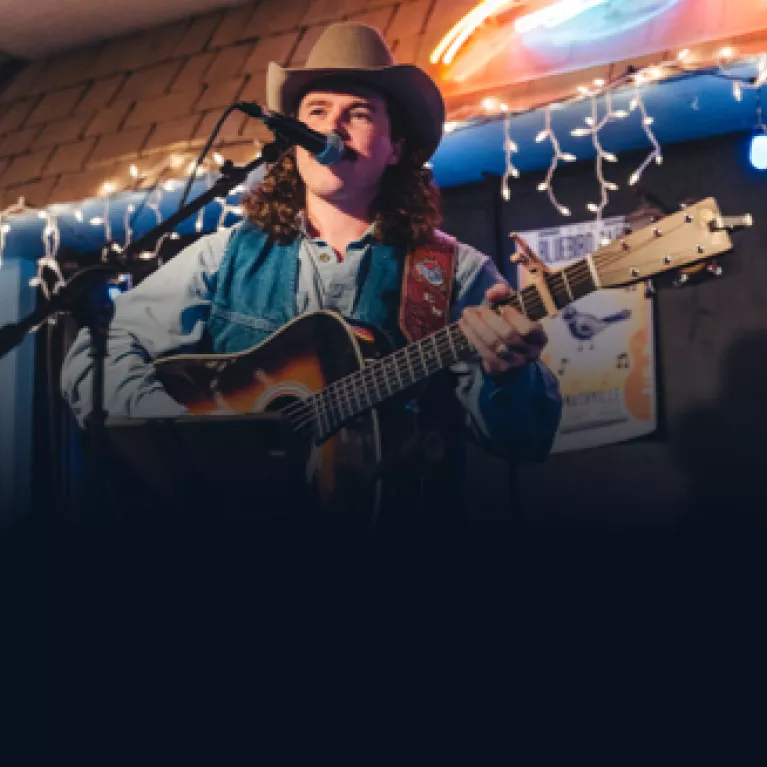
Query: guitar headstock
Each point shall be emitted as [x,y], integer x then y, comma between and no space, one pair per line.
[693,235]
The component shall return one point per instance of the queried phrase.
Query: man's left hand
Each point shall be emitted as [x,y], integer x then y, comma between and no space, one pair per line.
[504,338]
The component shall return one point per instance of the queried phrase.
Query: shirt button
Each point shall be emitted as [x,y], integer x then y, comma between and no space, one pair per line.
[324,257]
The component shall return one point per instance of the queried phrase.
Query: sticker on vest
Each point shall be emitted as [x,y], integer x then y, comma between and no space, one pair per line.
[431,271]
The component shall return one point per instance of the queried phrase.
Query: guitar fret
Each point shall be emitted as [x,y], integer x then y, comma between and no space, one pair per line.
[380,369]
[423,359]
[354,397]
[567,285]
[375,386]
[409,363]
[436,350]
[452,343]
[320,413]
[521,303]
[593,269]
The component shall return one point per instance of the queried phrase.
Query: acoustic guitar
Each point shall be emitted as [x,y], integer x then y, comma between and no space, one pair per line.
[330,378]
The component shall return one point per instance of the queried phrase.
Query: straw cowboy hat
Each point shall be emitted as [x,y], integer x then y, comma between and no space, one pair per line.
[358,52]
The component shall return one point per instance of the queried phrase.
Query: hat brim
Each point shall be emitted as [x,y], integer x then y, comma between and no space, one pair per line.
[416,94]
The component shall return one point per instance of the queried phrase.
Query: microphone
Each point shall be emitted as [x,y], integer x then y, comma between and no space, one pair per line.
[327,149]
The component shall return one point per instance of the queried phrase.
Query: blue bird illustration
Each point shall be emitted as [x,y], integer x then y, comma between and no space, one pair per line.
[583,327]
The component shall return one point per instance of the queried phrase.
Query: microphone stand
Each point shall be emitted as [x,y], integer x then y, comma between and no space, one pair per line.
[99,314]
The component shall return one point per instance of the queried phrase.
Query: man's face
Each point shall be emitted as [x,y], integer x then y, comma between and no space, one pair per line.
[360,117]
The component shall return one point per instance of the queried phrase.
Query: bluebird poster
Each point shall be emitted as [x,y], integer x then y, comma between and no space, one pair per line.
[600,348]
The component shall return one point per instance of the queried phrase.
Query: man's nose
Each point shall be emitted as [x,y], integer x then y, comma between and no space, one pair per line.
[335,123]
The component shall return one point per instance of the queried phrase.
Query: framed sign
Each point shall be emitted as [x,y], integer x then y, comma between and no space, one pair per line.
[601,347]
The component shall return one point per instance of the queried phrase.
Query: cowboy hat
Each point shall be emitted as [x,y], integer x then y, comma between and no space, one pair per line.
[358,52]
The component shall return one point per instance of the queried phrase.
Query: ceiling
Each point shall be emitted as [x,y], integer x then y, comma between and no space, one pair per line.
[37,28]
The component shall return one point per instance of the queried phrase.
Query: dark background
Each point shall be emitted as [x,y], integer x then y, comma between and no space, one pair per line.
[704,466]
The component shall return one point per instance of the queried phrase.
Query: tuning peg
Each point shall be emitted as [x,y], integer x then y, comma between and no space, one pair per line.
[649,289]
[731,223]
[680,280]
[714,268]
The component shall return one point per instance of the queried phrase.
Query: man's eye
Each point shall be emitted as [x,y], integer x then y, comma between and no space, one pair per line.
[363,115]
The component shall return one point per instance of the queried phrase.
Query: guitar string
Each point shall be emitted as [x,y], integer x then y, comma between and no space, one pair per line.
[362,376]
[370,375]
[366,375]
[344,395]
[345,392]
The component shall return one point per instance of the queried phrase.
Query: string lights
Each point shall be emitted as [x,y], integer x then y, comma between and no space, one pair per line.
[157,177]
[557,156]
[509,147]
[595,125]
[686,62]
[647,121]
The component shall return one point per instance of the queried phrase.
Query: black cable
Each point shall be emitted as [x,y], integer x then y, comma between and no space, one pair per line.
[204,152]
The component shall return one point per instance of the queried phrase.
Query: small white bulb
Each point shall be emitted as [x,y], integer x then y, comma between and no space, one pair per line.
[593,207]
[542,136]
[543,186]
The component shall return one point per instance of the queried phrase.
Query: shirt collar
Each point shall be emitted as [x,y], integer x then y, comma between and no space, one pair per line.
[302,223]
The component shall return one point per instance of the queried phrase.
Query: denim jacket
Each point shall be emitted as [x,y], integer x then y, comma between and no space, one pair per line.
[237,288]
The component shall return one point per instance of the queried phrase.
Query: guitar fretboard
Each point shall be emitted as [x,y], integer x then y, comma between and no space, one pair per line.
[383,378]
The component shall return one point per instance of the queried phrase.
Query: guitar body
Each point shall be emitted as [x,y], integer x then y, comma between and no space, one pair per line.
[304,357]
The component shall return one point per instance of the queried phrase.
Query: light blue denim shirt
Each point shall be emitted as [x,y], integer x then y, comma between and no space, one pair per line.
[517,419]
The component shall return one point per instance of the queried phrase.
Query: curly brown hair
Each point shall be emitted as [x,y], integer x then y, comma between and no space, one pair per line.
[406,210]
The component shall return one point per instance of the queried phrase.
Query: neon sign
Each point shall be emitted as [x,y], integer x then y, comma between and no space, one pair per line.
[554,15]
[616,16]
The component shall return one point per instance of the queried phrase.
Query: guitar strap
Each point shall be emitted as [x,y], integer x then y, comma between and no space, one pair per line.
[427,287]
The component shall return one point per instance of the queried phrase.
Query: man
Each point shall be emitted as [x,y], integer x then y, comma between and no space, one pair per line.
[333,237]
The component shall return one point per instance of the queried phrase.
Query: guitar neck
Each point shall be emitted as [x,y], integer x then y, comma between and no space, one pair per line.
[386,377]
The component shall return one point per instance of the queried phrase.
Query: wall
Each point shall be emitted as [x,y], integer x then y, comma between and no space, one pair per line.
[70,122]
[706,463]
[16,395]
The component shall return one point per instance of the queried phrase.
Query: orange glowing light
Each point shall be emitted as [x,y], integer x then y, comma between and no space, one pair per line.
[452,42]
